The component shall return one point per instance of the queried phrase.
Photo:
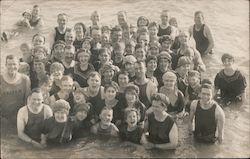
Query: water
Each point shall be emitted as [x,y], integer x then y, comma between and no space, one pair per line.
[229,23]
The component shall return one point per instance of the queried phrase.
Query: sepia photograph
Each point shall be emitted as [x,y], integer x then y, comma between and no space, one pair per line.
[124,79]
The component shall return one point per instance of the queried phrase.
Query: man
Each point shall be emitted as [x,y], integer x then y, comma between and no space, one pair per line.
[14,89]
[146,86]
[209,117]
[30,119]
[201,34]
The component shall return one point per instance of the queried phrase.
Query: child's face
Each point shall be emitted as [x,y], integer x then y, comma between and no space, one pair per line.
[152,65]
[79,97]
[38,41]
[169,83]
[39,55]
[60,116]
[130,96]
[130,49]
[153,31]
[110,93]
[84,58]
[25,50]
[67,86]
[104,57]
[94,82]
[86,45]
[69,55]
[206,95]
[185,68]
[108,74]
[154,51]
[132,119]
[142,22]
[39,67]
[59,52]
[123,80]
[193,81]
[144,38]
[96,35]
[140,54]
[46,87]
[166,45]
[81,115]
[228,63]
[163,63]
[106,117]
[140,70]
[117,36]
[27,16]
[69,38]
[105,38]
[118,53]
[57,75]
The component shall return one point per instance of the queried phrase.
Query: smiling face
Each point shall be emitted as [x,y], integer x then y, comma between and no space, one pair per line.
[81,115]
[62,21]
[206,95]
[104,57]
[36,100]
[110,93]
[38,41]
[152,65]
[163,64]
[79,31]
[228,63]
[130,96]
[67,85]
[59,52]
[79,97]
[106,117]
[109,74]
[60,116]
[157,107]
[140,54]
[69,55]
[94,82]
[132,119]
[12,66]
[39,67]
[57,74]
[123,80]
[69,38]
[84,57]
[169,83]
[192,81]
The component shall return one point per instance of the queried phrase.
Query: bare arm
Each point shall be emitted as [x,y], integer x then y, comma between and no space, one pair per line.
[190,30]
[220,118]
[21,122]
[191,116]
[208,34]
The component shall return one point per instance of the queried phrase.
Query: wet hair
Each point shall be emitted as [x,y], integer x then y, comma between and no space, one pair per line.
[61,105]
[132,87]
[81,51]
[106,109]
[58,42]
[149,58]
[93,74]
[113,85]
[11,57]
[161,97]
[199,12]
[35,6]
[56,66]
[34,36]
[226,56]
[206,83]
[165,38]
[142,18]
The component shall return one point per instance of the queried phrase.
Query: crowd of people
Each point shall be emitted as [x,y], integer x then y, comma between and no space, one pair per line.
[128,81]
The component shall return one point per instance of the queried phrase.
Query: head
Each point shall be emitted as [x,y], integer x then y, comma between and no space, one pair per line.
[154,48]
[82,111]
[166,42]
[105,39]
[69,37]
[38,40]
[106,116]
[12,64]
[129,63]
[189,52]
[35,11]
[46,84]
[206,92]
[39,53]
[110,90]
[56,70]
[184,38]
[61,110]
[25,49]
[59,50]
[142,21]
[173,22]
[87,43]
[27,15]
[35,100]
[39,66]
[164,17]
[140,69]
[164,61]
[170,80]
[24,68]
[66,84]
[143,38]
[140,53]
[104,55]
[106,29]
[80,30]
[79,96]
[130,47]
[96,33]
[62,20]
[151,63]
[227,60]
[107,72]
[198,17]
[83,56]
[122,18]
[123,78]
[69,54]
[184,64]
[119,49]
[116,34]
[159,103]
[95,18]
[132,117]
[193,78]
[94,81]
[131,93]
[153,29]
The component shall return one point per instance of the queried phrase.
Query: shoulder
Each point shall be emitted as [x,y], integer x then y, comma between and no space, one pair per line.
[180,94]
[47,108]
[193,105]
[114,127]
[22,111]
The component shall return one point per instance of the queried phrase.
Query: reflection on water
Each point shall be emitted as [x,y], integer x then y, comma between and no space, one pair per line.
[229,37]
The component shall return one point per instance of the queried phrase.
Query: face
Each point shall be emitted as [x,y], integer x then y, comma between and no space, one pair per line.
[36,100]
[12,66]
[106,117]
[69,55]
[153,31]
[110,93]
[83,57]
[163,63]
[24,69]
[144,38]
[154,51]
[166,45]
[104,57]
[130,49]
[140,54]
[126,34]
[62,21]
[25,50]
[130,97]
[123,80]
[198,19]
[164,17]
[69,38]
[140,70]
[39,67]
[152,65]
[57,74]
[94,82]
[35,11]
[67,86]
[130,67]
[105,39]
[79,31]
[185,68]
[118,53]
[39,54]
[142,22]
[27,16]
[192,81]
[157,106]
[60,116]
[169,83]
[86,45]
[59,52]
[109,74]
[96,35]
[38,41]
[183,38]
[46,87]
[117,36]
[121,18]
[173,22]
[206,95]
[79,97]
[81,115]
[228,63]
[132,119]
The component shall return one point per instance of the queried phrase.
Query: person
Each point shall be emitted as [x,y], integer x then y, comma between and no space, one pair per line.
[30,118]
[118,54]
[163,132]
[58,51]
[24,68]
[39,40]
[154,48]
[69,37]
[26,53]
[58,128]
[116,35]
[45,86]
[176,97]
[25,21]
[230,82]
[14,89]
[105,127]
[105,41]
[36,19]
[95,19]
[122,80]
[59,31]
[130,47]
[56,73]
[153,30]
[146,86]
[197,63]
[122,19]
[201,34]
[166,43]
[140,53]
[68,61]
[104,58]
[80,31]
[129,66]
[209,117]
[108,72]
[130,131]
[151,65]
[83,67]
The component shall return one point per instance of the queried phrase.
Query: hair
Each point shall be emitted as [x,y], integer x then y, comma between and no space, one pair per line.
[11,57]
[116,28]
[106,109]
[165,38]
[113,85]
[34,36]
[152,24]
[70,47]
[173,19]
[58,42]
[161,97]
[226,56]
[105,27]
[206,83]
[104,50]
[35,6]
[56,66]
[93,74]
[63,14]
[142,18]
[199,12]
[128,110]
[35,90]
[67,78]
[60,105]
[149,58]
[45,80]
[94,13]
[37,48]
[132,87]
[119,45]
[82,25]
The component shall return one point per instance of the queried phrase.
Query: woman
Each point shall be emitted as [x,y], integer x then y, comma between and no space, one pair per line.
[163,132]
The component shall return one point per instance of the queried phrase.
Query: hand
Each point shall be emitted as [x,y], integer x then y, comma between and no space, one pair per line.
[37,145]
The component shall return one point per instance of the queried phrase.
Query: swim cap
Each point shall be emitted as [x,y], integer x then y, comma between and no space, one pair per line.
[169,75]
[61,105]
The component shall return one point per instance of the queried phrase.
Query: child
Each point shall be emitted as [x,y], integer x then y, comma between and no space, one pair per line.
[104,58]
[130,47]
[105,127]
[166,43]
[197,63]
[130,131]
[45,86]
[153,29]
[154,48]
[108,72]
[58,128]
[39,40]
[26,53]
[231,82]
